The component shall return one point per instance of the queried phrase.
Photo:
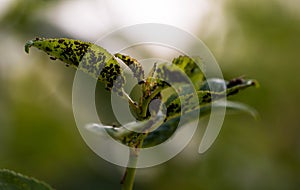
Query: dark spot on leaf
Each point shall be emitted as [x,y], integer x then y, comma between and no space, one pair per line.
[48,49]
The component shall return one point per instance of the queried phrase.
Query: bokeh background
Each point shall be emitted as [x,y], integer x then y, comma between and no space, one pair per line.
[258,39]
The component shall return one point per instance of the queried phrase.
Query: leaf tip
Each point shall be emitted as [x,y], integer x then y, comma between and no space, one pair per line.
[28,45]
[253,83]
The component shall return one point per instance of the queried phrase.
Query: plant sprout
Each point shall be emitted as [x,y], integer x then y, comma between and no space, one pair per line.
[159,107]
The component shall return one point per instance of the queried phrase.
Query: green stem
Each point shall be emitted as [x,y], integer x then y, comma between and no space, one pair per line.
[146,102]
[128,178]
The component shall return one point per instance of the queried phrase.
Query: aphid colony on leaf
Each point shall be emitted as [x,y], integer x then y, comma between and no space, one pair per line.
[184,73]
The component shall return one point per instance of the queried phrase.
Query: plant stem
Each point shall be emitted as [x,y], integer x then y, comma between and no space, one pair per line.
[128,178]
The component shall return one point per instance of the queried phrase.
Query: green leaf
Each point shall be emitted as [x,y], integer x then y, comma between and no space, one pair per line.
[95,60]
[10,180]
[190,66]
[165,77]
[134,66]
[237,107]
[167,129]
[205,95]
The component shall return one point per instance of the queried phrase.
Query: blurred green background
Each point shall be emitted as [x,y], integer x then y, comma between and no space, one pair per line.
[258,39]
